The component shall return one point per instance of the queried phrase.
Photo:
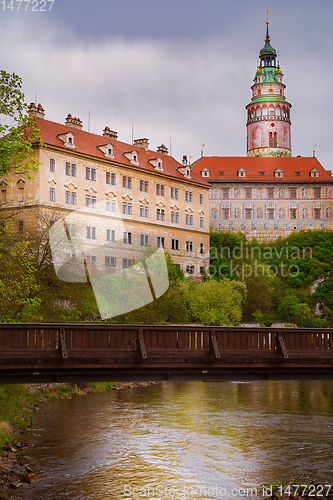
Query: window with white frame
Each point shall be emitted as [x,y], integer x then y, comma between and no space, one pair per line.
[110,205]
[201,199]
[144,186]
[160,214]
[189,220]
[160,189]
[190,269]
[52,194]
[189,246]
[144,239]
[174,193]
[110,178]
[127,263]
[73,198]
[127,182]
[174,217]
[127,237]
[189,196]
[127,208]
[68,197]
[160,242]
[144,211]
[174,244]
[91,232]
[110,261]
[52,165]
[201,222]
[110,235]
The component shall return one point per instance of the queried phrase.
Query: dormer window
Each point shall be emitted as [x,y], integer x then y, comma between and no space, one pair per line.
[107,150]
[67,139]
[157,163]
[205,172]
[314,173]
[133,157]
[278,173]
[241,172]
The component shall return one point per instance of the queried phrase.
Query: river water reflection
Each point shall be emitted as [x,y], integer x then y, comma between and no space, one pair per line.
[182,435]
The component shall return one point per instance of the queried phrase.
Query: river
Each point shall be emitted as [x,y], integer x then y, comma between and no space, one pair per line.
[183,440]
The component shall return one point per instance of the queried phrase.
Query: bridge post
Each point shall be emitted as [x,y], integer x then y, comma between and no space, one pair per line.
[142,345]
[63,345]
[213,344]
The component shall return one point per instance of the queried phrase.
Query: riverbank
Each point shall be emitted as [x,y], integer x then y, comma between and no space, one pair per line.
[17,405]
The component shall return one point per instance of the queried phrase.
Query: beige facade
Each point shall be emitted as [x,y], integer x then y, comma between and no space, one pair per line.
[267,198]
[118,197]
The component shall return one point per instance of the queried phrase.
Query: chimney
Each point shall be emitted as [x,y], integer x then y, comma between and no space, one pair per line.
[73,122]
[163,149]
[34,110]
[143,143]
[110,133]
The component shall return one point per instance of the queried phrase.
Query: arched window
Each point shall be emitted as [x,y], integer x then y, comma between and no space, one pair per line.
[275,139]
[270,140]
[259,92]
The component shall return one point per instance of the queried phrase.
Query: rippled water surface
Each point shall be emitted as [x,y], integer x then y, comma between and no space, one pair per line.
[175,436]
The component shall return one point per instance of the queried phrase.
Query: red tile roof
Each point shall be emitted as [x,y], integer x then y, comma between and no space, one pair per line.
[88,143]
[229,165]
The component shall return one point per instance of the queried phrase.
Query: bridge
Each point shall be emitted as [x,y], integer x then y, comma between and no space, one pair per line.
[44,353]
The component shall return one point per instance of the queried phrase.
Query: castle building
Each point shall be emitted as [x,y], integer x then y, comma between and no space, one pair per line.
[268,193]
[123,196]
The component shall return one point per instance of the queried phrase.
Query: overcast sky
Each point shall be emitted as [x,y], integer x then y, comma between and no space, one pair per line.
[173,68]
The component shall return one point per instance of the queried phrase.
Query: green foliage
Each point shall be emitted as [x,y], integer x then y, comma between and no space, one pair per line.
[18,132]
[290,308]
[13,402]
[215,302]
[19,285]
[278,275]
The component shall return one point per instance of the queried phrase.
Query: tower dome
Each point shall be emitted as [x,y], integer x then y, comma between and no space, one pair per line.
[268,113]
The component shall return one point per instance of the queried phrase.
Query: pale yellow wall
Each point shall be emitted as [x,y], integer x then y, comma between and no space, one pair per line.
[37,193]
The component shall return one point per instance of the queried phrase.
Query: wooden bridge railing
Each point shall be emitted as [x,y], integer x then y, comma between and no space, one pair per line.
[47,337]
[66,346]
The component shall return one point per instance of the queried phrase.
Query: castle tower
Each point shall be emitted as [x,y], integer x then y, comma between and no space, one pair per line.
[268,114]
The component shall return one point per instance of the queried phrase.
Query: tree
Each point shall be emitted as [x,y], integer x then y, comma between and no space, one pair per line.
[18,132]
[19,288]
